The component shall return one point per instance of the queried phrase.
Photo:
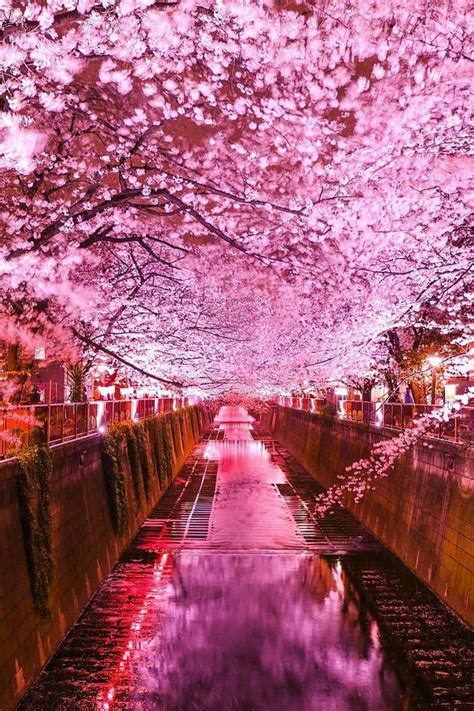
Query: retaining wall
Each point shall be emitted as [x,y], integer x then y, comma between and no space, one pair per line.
[85,550]
[423,511]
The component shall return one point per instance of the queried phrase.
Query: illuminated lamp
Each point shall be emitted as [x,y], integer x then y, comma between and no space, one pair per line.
[450,391]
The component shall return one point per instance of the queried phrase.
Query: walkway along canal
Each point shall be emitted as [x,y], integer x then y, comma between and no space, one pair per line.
[233,596]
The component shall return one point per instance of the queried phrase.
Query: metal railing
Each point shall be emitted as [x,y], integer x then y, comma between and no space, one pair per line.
[54,423]
[391,415]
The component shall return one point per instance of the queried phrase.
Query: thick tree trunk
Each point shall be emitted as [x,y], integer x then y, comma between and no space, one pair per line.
[418,390]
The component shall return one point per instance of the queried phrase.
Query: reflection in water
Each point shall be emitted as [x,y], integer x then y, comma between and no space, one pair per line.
[248,514]
[263,628]
[273,631]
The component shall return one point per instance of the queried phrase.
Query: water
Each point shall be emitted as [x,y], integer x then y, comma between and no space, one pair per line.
[242,613]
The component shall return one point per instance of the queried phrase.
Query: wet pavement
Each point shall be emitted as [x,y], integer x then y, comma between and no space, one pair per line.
[234,596]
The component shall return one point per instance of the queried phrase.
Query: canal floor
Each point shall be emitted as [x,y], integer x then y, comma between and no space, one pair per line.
[234,596]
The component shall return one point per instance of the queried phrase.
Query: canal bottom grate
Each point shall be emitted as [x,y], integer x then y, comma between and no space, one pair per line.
[182,515]
[338,531]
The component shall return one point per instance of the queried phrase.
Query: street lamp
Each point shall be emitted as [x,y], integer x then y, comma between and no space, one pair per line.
[435,362]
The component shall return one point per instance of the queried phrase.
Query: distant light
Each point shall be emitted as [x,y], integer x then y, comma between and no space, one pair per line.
[450,391]
[102,428]
[106,390]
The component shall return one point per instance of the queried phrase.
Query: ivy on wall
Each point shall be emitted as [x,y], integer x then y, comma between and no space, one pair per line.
[141,437]
[162,438]
[133,454]
[115,481]
[34,499]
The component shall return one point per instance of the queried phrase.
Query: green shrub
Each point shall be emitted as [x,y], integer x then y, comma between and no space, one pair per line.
[328,411]
[34,499]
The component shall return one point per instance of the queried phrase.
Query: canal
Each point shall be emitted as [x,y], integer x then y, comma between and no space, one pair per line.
[234,596]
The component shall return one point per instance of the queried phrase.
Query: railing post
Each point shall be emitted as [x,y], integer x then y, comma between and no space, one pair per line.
[48,417]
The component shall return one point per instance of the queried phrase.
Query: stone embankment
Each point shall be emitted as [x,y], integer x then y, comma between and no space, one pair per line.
[423,511]
[94,497]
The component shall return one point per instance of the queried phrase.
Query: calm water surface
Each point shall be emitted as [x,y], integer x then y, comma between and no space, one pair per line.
[249,631]
[255,622]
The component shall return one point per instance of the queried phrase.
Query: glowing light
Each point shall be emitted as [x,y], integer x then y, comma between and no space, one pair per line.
[106,390]
[450,391]
[100,415]
[435,361]
[379,416]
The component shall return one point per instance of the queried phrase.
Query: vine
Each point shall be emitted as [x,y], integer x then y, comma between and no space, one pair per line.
[168,449]
[175,436]
[141,438]
[34,499]
[134,459]
[115,479]
[166,436]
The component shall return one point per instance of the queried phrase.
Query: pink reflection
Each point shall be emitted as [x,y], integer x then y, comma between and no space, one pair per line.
[248,513]
[148,597]
[277,631]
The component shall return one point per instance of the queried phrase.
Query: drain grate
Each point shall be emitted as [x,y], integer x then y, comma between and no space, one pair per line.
[182,515]
[215,434]
[337,531]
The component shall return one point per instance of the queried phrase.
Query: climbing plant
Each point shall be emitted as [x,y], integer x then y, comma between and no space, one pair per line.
[168,448]
[34,499]
[175,435]
[141,439]
[164,437]
[153,426]
[115,479]
[134,459]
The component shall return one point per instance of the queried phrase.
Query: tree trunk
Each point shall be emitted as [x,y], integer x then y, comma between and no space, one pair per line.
[392,386]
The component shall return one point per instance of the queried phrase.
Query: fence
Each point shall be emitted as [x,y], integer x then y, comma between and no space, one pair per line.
[392,415]
[61,422]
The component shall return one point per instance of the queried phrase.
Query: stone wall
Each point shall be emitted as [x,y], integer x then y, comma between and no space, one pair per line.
[85,550]
[423,511]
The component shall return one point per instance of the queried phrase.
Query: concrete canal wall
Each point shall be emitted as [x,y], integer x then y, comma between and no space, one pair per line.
[85,547]
[423,511]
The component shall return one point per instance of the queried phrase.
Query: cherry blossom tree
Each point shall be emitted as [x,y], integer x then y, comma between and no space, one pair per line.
[239,194]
